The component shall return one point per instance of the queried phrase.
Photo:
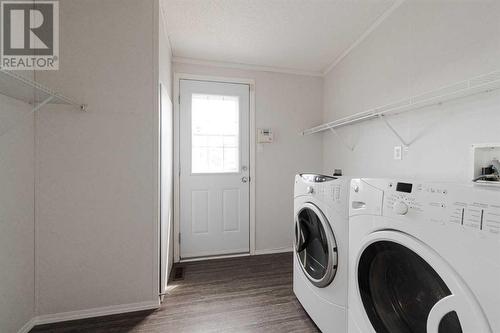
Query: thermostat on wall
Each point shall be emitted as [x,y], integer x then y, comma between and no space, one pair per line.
[265,135]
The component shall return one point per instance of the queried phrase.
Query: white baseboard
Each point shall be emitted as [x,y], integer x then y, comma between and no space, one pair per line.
[225,256]
[89,313]
[28,326]
[222,256]
[272,251]
[96,312]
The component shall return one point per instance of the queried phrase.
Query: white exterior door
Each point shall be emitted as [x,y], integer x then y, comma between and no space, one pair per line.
[214,168]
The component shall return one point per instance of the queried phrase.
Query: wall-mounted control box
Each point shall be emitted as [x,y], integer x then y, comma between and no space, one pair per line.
[486,164]
[265,135]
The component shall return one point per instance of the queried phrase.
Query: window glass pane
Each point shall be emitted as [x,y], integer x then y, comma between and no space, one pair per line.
[231,141]
[215,133]
[230,158]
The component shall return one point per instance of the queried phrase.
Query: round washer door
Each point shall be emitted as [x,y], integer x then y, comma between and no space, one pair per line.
[402,291]
[315,245]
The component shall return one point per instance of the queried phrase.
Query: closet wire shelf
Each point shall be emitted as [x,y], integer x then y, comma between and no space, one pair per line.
[28,91]
[477,85]
[24,89]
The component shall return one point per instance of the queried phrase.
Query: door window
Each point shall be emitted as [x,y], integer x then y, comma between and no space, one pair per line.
[315,247]
[215,134]
[399,288]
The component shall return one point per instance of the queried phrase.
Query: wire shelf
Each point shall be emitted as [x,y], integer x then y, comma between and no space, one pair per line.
[27,90]
[477,85]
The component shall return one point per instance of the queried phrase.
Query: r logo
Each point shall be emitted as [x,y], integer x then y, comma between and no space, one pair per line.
[30,33]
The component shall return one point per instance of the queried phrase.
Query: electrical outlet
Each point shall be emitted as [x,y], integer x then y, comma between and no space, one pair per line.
[398,152]
[406,152]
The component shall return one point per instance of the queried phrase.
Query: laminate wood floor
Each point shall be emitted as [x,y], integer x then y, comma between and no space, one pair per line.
[246,294]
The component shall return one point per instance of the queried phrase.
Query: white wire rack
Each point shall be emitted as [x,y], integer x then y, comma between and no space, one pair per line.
[477,85]
[26,90]
[23,88]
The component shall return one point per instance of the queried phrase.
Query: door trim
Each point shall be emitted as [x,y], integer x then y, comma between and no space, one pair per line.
[176,84]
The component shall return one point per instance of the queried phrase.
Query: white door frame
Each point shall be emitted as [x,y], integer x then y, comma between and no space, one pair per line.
[251,83]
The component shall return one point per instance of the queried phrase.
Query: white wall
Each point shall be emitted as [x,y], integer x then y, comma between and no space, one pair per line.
[165,69]
[16,214]
[422,46]
[97,201]
[287,104]
[166,109]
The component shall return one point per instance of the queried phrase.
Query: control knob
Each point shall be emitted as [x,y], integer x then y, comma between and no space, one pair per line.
[400,208]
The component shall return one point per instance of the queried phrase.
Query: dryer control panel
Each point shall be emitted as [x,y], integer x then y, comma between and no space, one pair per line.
[326,191]
[333,191]
[467,207]
[321,187]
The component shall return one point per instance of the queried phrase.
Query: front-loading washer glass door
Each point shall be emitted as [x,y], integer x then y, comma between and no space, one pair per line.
[399,289]
[315,245]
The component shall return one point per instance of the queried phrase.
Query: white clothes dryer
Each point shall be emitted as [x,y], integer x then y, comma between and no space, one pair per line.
[424,257]
[320,249]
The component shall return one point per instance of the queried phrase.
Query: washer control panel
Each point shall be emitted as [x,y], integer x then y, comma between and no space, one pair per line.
[320,187]
[470,208]
[333,193]
[326,192]
[315,178]
[401,199]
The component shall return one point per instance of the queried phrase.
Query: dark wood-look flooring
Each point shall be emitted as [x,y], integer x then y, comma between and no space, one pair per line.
[246,294]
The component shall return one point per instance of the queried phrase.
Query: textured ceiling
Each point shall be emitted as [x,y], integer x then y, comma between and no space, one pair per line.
[305,35]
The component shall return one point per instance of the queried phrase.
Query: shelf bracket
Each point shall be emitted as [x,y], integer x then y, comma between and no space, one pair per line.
[42,104]
[35,109]
[393,130]
[344,142]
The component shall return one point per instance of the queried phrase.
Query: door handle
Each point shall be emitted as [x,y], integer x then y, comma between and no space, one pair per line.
[244,179]
[358,205]
[439,310]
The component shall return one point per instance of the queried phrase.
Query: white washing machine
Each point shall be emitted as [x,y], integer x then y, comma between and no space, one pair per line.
[424,258]
[320,249]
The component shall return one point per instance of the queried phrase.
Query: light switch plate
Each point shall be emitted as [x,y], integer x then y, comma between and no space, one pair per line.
[398,152]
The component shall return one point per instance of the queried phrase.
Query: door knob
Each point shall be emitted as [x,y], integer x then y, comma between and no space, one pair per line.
[244,179]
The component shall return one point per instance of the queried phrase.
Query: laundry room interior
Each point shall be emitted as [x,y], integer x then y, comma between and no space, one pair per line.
[250,166]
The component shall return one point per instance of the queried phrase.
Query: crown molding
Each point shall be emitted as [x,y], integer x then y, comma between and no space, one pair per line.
[365,34]
[273,69]
[191,61]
